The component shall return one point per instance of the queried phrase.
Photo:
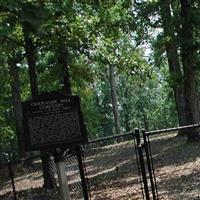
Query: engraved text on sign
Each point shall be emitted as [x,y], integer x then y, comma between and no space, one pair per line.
[53,121]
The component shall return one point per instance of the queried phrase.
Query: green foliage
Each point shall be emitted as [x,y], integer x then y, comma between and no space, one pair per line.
[91,35]
[7,135]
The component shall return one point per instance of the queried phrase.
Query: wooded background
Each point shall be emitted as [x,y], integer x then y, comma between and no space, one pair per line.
[134,63]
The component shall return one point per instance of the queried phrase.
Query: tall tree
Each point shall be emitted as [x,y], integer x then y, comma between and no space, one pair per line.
[17,107]
[30,48]
[173,60]
[29,28]
[11,46]
[113,89]
[179,41]
[188,55]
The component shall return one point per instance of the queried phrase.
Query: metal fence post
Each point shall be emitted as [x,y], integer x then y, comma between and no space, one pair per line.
[82,172]
[143,172]
[149,166]
[137,136]
[12,180]
[63,184]
[142,164]
[137,159]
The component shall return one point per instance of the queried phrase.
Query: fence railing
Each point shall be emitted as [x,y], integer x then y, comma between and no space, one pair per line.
[24,181]
[111,167]
[144,158]
[19,180]
[165,158]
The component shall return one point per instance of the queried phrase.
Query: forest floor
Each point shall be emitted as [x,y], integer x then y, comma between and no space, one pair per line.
[176,163]
[113,174]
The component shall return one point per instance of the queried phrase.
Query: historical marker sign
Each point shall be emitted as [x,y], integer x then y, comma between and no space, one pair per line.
[53,120]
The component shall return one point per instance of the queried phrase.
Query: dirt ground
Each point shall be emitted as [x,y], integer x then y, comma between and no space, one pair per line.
[112,172]
[176,163]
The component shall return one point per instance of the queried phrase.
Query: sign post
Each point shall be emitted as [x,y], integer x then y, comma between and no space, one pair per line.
[63,184]
[54,122]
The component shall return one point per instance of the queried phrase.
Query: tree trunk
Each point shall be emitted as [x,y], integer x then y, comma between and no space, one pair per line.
[15,88]
[126,111]
[96,97]
[62,61]
[188,59]
[114,99]
[173,61]
[31,59]
[49,180]
[145,121]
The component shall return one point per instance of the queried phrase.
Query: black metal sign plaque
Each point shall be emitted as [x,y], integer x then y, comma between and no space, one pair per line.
[53,120]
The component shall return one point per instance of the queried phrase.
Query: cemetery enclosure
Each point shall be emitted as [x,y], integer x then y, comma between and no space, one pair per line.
[112,171]
[176,169]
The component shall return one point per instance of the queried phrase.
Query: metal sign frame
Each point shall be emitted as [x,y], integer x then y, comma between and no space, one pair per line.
[53,115]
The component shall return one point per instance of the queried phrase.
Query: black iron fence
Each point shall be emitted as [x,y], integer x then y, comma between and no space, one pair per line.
[167,165]
[24,179]
[73,175]
[175,163]
[168,168]
[111,168]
